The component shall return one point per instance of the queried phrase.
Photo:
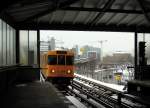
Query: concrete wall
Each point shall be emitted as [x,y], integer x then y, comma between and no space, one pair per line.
[16,74]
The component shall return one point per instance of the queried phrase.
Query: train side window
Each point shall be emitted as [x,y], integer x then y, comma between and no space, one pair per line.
[52,60]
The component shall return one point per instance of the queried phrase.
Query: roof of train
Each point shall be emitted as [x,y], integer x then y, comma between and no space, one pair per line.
[58,51]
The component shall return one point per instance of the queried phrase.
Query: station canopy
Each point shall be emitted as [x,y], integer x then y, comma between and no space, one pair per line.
[95,15]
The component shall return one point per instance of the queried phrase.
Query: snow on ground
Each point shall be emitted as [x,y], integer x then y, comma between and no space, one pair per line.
[112,86]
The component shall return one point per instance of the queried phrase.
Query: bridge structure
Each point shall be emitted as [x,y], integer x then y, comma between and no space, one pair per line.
[85,66]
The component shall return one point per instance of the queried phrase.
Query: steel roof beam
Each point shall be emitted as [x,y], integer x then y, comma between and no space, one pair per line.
[82,27]
[100,15]
[101,10]
[140,2]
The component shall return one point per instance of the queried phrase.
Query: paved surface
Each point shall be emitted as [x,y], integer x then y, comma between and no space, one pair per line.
[76,102]
[34,95]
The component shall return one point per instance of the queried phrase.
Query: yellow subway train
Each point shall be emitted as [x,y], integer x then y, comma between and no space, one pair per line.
[57,66]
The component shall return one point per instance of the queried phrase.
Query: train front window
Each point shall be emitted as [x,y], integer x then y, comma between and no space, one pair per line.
[52,59]
[61,59]
[69,60]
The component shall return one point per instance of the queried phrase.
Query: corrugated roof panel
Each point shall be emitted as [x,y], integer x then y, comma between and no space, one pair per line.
[77,4]
[90,17]
[81,17]
[116,19]
[69,16]
[119,4]
[89,3]
[44,18]
[132,5]
[105,18]
[21,13]
[122,12]
[18,9]
[143,23]
[58,16]
[92,3]
[26,14]
[100,3]
[137,20]
[127,19]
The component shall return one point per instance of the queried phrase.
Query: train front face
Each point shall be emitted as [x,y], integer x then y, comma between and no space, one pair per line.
[61,68]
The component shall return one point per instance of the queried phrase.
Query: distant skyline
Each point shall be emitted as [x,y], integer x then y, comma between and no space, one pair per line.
[116,41]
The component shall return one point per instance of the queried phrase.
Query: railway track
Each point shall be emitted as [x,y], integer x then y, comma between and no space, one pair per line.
[98,96]
[94,95]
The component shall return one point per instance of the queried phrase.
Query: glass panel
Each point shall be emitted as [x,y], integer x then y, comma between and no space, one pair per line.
[14,46]
[61,59]
[146,38]
[8,45]
[32,47]
[1,42]
[69,60]
[4,43]
[23,47]
[147,49]
[52,59]
[11,45]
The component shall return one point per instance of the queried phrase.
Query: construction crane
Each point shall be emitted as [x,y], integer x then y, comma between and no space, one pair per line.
[101,46]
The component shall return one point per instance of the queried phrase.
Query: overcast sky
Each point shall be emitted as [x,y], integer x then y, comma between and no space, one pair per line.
[116,41]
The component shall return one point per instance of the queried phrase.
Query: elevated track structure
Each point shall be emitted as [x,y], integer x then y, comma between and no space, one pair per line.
[98,94]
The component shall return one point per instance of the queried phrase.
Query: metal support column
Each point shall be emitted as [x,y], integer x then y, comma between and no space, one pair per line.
[17,47]
[135,56]
[38,47]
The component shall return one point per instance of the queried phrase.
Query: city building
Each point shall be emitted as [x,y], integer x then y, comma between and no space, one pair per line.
[75,49]
[88,51]
[118,57]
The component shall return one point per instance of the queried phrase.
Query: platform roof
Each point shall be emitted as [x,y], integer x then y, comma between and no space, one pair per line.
[95,15]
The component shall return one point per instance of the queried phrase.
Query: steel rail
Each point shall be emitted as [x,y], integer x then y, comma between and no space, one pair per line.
[89,96]
[83,98]
[101,94]
[102,97]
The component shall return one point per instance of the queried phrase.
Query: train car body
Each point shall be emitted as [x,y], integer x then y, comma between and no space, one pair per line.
[58,66]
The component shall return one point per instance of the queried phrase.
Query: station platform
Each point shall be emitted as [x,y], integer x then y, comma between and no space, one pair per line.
[35,95]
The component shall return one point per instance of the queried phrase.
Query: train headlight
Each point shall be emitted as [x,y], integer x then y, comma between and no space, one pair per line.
[53,71]
[69,71]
